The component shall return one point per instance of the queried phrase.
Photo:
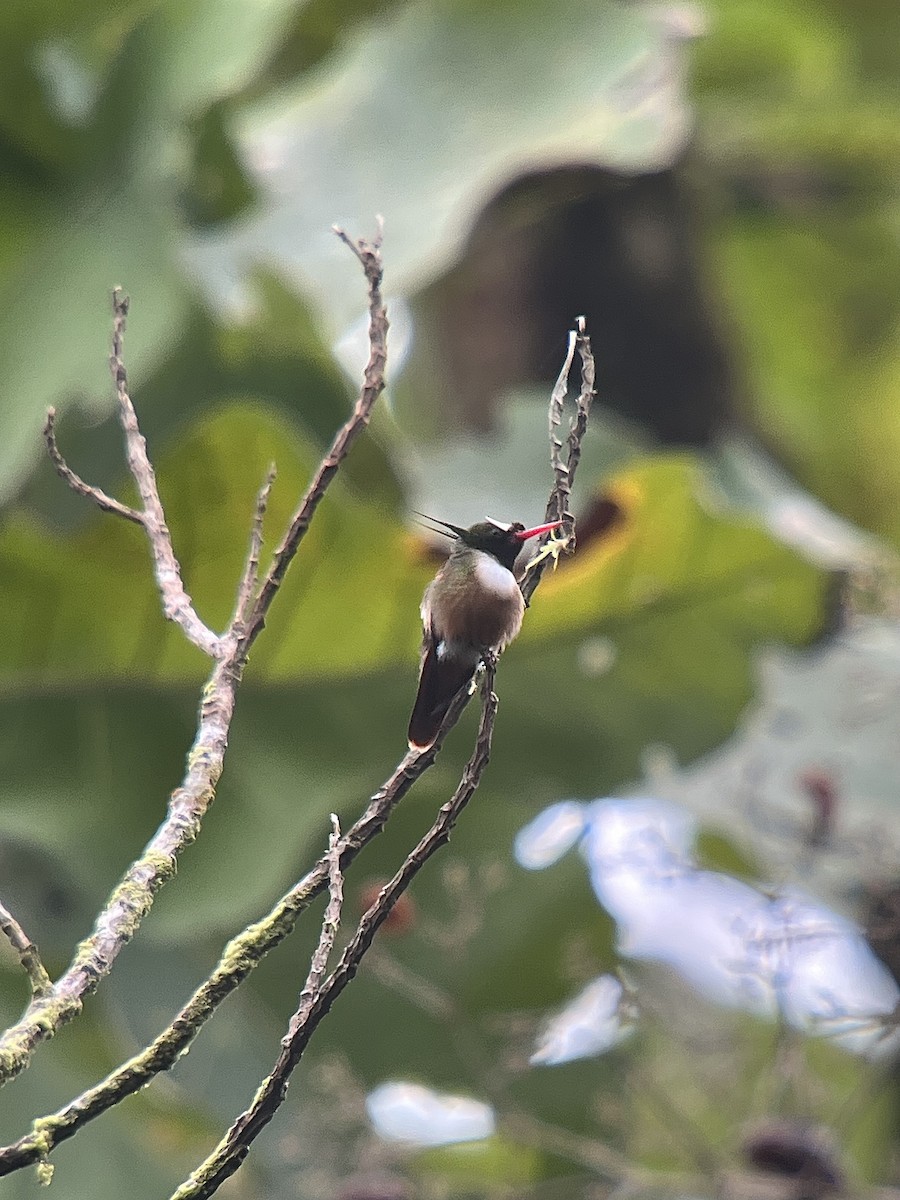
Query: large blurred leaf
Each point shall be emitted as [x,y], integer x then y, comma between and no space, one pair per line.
[273,354]
[670,554]
[56,297]
[98,107]
[821,316]
[355,561]
[801,116]
[423,117]
[668,565]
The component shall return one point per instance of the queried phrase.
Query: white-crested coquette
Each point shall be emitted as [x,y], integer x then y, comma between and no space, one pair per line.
[472,606]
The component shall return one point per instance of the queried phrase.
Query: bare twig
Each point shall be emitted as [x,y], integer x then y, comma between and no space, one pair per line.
[235,1146]
[369,255]
[560,495]
[578,427]
[77,484]
[177,605]
[27,951]
[250,576]
[330,922]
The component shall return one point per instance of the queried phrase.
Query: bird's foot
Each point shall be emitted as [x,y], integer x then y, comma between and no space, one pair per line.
[489,660]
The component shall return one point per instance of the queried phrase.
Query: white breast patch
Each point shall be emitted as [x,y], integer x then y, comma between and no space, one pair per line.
[493,576]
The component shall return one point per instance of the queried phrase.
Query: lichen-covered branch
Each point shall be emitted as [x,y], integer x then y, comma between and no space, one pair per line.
[235,1146]
[242,954]
[133,896]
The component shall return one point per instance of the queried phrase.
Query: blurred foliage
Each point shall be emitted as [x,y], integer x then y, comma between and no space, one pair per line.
[144,144]
[799,134]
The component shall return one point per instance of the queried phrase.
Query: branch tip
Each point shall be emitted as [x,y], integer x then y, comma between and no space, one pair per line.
[368,252]
[120,302]
[563,465]
[27,952]
[77,484]
[371,389]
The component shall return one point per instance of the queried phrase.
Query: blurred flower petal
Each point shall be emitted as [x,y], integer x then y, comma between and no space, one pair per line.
[589,1025]
[784,955]
[554,831]
[408,1112]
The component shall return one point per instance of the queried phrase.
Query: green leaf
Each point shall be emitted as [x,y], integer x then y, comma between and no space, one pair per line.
[92,191]
[56,298]
[209,484]
[423,117]
[801,130]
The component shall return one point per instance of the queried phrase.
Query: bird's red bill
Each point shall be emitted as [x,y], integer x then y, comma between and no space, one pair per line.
[525,534]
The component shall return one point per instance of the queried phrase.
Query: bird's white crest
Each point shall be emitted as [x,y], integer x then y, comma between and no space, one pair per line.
[504,525]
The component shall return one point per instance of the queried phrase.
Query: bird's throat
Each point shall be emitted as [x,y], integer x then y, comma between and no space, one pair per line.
[474,604]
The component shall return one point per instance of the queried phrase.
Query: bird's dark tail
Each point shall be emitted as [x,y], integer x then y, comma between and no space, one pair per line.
[439,681]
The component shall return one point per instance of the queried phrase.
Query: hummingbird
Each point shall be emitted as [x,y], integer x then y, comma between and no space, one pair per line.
[473,605]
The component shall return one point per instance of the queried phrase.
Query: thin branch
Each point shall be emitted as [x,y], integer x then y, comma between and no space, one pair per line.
[579,424]
[361,248]
[235,1146]
[250,575]
[369,255]
[40,981]
[177,605]
[330,923]
[77,484]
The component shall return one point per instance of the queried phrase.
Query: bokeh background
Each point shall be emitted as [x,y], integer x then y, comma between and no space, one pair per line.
[716,187]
